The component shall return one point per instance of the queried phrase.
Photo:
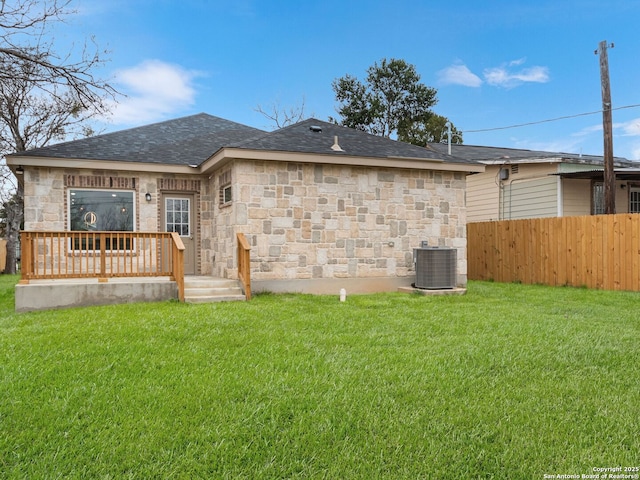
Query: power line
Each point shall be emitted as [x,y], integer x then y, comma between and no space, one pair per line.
[546,121]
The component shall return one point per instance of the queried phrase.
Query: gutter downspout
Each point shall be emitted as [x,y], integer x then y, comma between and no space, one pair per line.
[559,200]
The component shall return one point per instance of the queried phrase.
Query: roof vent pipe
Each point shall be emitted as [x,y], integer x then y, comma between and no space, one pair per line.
[336,147]
[448,125]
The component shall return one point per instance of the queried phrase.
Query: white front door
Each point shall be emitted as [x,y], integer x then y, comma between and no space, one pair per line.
[178,217]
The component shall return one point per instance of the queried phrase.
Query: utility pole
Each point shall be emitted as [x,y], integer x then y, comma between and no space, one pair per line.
[607,128]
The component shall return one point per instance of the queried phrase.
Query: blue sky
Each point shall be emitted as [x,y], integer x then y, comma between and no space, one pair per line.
[494,63]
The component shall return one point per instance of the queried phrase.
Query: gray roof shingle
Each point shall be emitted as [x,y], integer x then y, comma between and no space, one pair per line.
[497,154]
[192,140]
[302,138]
[183,141]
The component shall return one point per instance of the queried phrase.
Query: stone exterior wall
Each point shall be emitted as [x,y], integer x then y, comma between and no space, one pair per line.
[45,195]
[44,199]
[219,256]
[309,221]
[304,221]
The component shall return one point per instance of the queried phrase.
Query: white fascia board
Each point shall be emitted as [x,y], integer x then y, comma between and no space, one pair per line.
[226,155]
[122,166]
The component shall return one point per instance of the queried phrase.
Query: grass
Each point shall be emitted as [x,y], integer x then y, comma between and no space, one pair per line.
[507,381]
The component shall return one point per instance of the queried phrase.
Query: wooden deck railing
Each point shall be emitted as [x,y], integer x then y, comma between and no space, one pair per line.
[102,255]
[244,264]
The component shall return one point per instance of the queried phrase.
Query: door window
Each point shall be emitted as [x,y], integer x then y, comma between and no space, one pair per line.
[177,216]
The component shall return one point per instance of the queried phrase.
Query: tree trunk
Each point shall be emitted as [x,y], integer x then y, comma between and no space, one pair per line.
[15,213]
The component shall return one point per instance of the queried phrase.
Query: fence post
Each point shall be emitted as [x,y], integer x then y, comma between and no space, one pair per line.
[26,257]
[244,264]
[177,260]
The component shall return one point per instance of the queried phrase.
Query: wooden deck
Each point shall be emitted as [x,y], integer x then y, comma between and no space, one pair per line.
[63,269]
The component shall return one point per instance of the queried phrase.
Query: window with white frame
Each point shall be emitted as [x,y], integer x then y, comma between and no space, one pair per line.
[178,217]
[634,199]
[226,193]
[597,198]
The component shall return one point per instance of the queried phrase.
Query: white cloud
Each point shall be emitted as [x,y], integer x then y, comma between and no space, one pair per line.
[505,77]
[588,131]
[459,75]
[154,90]
[515,63]
[635,152]
[630,128]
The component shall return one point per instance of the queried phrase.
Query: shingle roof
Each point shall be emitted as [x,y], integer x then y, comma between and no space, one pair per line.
[497,154]
[621,174]
[315,136]
[183,141]
[192,140]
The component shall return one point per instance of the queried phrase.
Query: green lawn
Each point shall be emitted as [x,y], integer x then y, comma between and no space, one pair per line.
[507,381]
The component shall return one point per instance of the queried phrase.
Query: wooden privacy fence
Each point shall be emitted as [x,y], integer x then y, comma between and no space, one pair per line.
[599,251]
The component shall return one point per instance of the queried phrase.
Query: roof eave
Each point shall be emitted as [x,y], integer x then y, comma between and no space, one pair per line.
[509,161]
[111,165]
[225,155]
[551,159]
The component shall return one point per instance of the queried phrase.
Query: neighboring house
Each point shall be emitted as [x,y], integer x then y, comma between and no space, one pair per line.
[527,184]
[323,207]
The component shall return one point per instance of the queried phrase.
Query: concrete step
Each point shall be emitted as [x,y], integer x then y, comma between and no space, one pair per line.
[214,298]
[210,289]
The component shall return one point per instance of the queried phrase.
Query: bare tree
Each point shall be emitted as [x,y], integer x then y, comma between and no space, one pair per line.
[44,96]
[280,116]
[26,37]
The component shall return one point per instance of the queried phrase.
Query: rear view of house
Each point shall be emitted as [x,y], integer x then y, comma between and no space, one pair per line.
[322,207]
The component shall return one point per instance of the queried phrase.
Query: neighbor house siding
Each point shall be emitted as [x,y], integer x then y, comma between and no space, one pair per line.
[309,221]
[529,190]
[576,197]
[530,198]
[483,196]
[622,197]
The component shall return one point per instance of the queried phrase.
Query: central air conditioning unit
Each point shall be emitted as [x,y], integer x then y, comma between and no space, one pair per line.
[435,267]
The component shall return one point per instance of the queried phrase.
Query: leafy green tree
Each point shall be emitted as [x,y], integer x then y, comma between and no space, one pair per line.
[435,130]
[391,101]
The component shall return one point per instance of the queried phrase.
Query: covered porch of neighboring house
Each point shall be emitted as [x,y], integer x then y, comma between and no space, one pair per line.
[72,268]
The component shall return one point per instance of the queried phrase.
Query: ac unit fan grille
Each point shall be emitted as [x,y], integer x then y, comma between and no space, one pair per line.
[435,268]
